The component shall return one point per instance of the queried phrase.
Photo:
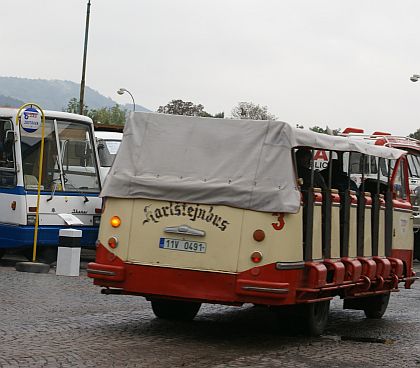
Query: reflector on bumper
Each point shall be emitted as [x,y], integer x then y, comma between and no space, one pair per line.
[105,272]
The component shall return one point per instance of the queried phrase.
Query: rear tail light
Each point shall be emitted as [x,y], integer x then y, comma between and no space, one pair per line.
[256,257]
[115,221]
[259,235]
[113,242]
[98,210]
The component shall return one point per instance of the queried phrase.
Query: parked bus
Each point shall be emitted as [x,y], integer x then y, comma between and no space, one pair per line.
[108,138]
[214,211]
[70,182]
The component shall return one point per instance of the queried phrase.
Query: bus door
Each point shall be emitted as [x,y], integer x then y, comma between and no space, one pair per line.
[399,211]
[414,182]
[12,204]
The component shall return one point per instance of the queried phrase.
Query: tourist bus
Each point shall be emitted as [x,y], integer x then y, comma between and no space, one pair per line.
[108,138]
[200,210]
[69,187]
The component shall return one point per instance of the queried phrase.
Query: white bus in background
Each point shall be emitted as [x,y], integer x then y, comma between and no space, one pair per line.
[70,182]
[108,139]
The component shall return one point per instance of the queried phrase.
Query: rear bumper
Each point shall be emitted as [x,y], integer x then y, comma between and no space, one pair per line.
[216,287]
[269,284]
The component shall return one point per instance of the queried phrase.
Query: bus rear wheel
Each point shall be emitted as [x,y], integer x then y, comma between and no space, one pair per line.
[175,309]
[315,317]
[417,245]
[375,306]
[310,319]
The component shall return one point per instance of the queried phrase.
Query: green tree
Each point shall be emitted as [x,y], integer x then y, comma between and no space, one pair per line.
[179,107]
[73,106]
[219,115]
[249,110]
[108,115]
[415,135]
[327,130]
[105,115]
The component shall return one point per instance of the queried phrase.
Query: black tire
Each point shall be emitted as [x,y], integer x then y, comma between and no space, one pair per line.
[309,319]
[315,317]
[416,249]
[175,309]
[376,306]
[33,267]
[2,253]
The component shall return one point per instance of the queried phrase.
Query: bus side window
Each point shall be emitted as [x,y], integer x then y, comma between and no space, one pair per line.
[7,155]
[400,190]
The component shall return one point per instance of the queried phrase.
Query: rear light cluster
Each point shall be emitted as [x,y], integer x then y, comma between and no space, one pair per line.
[113,242]
[259,236]
[256,257]
[115,221]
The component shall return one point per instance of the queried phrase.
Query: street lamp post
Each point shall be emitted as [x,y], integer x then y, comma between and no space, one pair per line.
[82,83]
[121,91]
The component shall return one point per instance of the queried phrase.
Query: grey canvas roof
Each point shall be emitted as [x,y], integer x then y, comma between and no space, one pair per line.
[240,163]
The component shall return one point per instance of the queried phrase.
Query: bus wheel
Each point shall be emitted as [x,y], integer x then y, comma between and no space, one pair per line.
[2,253]
[376,306]
[175,309]
[417,245]
[315,317]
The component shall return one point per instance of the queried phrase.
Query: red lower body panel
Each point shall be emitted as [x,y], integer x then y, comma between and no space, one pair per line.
[270,284]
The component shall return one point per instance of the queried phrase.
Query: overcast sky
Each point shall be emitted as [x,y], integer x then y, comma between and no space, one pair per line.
[330,62]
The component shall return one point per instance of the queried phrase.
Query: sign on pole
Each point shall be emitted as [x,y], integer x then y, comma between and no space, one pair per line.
[31,117]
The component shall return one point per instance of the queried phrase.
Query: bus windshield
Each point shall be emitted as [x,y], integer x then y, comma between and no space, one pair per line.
[69,161]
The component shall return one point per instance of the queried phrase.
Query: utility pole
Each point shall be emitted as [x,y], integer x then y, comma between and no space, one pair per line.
[82,83]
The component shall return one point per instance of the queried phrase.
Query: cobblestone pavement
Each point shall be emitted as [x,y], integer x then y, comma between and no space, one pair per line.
[55,321]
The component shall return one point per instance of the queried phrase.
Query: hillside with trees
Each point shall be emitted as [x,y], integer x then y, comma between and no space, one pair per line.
[50,94]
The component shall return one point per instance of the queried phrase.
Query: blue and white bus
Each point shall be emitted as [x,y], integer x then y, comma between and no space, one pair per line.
[70,182]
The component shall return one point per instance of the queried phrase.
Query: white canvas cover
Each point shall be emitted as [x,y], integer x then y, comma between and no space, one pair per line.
[240,163]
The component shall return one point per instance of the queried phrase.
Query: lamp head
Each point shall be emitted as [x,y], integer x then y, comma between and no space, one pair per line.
[121,91]
[415,77]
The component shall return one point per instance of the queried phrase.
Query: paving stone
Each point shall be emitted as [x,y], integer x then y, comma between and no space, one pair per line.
[51,321]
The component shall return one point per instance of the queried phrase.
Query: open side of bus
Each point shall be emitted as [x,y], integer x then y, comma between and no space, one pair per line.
[69,184]
[355,245]
[412,146]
